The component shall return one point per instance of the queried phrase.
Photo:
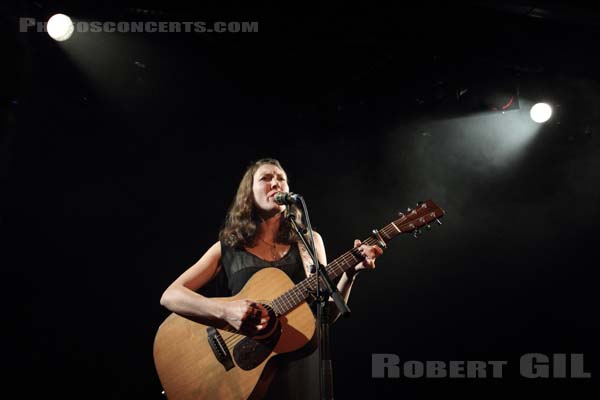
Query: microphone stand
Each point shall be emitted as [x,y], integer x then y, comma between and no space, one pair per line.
[324,289]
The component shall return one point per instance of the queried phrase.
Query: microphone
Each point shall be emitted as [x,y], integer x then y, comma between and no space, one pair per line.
[287,199]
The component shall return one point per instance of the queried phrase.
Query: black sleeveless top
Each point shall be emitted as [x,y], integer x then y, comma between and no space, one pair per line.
[238,265]
[296,375]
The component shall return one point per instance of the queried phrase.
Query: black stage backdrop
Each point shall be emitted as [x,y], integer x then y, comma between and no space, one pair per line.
[121,153]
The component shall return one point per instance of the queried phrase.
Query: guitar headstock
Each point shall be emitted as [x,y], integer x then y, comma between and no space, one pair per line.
[422,215]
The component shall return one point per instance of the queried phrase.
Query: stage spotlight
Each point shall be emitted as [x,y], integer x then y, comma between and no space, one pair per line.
[60,27]
[540,112]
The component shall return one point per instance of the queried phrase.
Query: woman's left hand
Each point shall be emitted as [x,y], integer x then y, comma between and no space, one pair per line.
[370,253]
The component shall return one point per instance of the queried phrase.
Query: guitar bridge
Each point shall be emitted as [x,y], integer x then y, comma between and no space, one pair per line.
[220,350]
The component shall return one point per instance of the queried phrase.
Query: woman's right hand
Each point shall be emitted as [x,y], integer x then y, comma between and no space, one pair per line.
[246,316]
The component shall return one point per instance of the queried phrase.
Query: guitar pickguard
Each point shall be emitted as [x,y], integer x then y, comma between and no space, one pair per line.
[250,353]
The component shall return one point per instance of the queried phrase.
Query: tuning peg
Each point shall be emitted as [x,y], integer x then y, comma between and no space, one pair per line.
[419,203]
[400,214]
[417,233]
[408,210]
[438,221]
[428,226]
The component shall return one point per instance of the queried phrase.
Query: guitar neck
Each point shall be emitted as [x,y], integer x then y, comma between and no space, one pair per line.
[290,299]
[420,216]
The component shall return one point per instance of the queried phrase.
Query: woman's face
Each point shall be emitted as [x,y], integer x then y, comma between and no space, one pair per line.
[268,180]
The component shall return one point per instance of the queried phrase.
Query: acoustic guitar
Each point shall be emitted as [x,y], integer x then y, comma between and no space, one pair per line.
[195,361]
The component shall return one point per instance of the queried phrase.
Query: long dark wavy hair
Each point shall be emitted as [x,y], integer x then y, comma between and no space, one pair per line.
[241,223]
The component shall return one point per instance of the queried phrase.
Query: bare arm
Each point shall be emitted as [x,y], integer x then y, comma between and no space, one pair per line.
[344,285]
[181,297]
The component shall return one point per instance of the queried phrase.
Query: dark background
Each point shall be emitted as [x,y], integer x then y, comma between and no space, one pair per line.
[121,153]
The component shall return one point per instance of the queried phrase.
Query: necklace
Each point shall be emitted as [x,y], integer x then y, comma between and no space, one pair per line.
[272,248]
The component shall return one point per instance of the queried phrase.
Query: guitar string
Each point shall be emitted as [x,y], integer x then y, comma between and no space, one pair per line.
[234,338]
[349,256]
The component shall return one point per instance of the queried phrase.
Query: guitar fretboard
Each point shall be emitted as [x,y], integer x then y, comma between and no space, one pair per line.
[422,215]
[293,297]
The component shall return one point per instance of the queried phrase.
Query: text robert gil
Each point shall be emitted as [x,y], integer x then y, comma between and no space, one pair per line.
[531,365]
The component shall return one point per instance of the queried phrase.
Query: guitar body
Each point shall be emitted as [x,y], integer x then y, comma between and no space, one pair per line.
[188,365]
[196,361]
